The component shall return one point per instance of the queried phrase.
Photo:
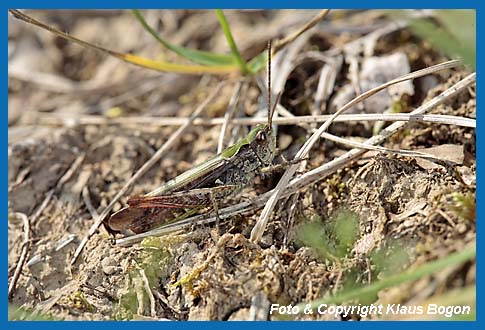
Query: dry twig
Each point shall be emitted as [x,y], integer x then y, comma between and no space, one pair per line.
[23,254]
[228,115]
[89,205]
[402,152]
[290,38]
[66,177]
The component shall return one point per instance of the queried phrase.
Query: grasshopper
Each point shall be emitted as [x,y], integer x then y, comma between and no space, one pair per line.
[201,186]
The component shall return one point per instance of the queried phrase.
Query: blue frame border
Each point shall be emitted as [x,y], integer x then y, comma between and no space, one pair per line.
[51,4]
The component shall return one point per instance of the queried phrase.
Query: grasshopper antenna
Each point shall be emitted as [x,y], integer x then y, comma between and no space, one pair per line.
[275,104]
[271,109]
[270,115]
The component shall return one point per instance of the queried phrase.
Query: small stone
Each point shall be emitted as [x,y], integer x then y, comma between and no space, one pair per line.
[284,141]
[108,265]
[461,228]
[240,315]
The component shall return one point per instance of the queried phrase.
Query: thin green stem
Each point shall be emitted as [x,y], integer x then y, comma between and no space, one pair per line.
[410,275]
[230,40]
[197,56]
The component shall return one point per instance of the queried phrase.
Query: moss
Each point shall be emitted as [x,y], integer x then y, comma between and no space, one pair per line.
[334,239]
[463,205]
[155,260]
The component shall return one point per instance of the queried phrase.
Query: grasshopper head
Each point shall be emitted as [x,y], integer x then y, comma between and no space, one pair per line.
[264,144]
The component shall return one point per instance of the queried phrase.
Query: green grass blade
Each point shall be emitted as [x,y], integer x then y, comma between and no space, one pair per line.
[458,296]
[448,44]
[133,59]
[230,40]
[451,31]
[258,63]
[410,275]
[16,313]
[174,67]
[197,56]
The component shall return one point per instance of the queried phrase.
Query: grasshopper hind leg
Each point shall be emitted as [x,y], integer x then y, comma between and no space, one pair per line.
[216,210]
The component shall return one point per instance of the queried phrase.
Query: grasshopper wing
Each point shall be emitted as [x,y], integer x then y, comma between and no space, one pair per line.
[162,204]
[139,220]
[182,199]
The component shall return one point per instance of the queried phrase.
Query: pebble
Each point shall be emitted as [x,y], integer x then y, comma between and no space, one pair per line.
[461,228]
[108,265]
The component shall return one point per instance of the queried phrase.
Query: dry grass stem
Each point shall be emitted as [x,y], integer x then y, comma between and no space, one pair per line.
[290,38]
[326,84]
[88,203]
[402,152]
[228,115]
[293,120]
[66,177]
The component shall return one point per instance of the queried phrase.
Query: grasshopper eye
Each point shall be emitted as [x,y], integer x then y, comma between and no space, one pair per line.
[261,136]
